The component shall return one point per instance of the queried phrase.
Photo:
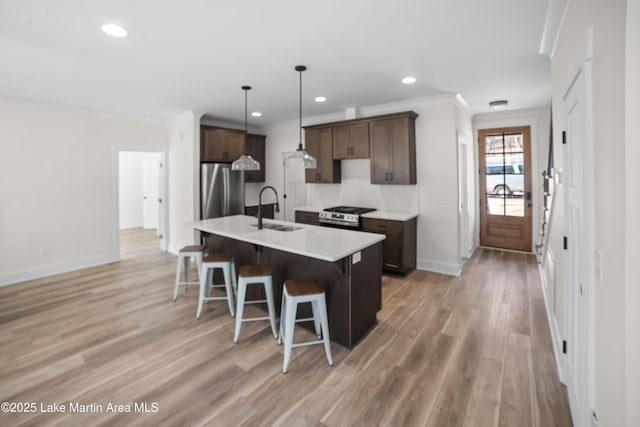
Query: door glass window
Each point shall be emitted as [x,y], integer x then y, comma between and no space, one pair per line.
[504,172]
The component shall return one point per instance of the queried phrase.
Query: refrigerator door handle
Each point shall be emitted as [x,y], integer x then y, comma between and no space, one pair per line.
[225,191]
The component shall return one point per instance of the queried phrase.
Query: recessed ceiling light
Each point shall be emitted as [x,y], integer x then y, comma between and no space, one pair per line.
[114,30]
[501,103]
[408,80]
[320,99]
[256,114]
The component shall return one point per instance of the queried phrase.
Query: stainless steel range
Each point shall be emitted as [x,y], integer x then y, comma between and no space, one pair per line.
[343,216]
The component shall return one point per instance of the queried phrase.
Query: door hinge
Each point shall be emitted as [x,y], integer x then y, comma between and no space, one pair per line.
[565,243]
[564,346]
[564,136]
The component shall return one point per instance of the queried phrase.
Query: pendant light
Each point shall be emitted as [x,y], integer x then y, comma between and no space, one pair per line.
[300,157]
[245,162]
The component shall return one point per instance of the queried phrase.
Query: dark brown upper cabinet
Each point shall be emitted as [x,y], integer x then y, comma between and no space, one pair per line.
[351,141]
[220,145]
[319,144]
[255,145]
[393,149]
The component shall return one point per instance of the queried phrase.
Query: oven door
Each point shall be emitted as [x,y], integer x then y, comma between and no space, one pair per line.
[338,224]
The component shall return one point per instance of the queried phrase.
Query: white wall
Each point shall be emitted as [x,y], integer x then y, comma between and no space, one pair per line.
[633,207]
[435,197]
[607,19]
[464,131]
[56,209]
[184,180]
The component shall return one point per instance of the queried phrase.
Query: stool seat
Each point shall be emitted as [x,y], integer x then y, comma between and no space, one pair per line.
[217,258]
[193,248]
[296,292]
[254,271]
[184,257]
[298,288]
[252,275]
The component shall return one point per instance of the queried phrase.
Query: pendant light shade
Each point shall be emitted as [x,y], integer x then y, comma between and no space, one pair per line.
[300,157]
[245,162]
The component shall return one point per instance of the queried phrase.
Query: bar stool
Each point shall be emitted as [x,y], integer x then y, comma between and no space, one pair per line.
[209,264]
[184,257]
[295,292]
[249,275]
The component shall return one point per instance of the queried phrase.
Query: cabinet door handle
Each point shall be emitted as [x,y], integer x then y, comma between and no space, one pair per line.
[391,176]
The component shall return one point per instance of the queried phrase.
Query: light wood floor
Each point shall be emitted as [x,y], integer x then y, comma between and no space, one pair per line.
[473,350]
[135,242]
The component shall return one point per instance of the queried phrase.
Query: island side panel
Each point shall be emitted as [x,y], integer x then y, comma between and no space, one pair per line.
[366,290]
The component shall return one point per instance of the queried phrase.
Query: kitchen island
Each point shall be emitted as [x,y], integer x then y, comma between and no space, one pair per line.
[348,265]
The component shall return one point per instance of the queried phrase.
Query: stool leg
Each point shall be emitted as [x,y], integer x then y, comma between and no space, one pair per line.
[234,278]
[187,264]
[282,310]
[228,284]
[290,322]
[175,291]
[316,317]
[203,286]
[322,308]
[268,289]
[198,264]
[242,291]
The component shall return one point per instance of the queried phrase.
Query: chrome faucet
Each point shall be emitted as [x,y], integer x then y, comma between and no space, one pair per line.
[276,209]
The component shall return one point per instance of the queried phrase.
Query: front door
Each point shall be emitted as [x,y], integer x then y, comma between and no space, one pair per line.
[505,188]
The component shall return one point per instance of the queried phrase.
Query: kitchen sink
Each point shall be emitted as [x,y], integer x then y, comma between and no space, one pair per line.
[278,227]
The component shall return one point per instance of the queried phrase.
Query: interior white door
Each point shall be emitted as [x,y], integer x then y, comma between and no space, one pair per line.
[578,284]
[150,192]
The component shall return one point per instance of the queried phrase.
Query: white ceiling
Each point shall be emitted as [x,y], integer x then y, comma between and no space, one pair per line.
[195,54]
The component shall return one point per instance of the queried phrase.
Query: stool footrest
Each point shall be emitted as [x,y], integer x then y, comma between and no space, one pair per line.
[213,298]
[257,301]
[252,319]
[306,343]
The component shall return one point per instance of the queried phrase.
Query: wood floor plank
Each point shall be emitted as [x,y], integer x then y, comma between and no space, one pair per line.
[484,405]
[517,397]
[446,351]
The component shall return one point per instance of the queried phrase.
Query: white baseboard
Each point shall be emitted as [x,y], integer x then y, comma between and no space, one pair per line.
[58,268]
[452,269]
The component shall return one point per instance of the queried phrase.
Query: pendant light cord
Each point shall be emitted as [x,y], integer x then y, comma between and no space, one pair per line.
[245,110]
[300,144]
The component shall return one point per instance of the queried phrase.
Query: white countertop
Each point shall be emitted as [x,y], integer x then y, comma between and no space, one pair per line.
[325,243]
[390,215]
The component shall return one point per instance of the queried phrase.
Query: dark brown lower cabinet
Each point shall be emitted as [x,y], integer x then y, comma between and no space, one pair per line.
[400,246]
[305,217]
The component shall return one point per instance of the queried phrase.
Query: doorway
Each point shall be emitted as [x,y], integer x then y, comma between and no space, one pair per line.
[140,208]
[505,188]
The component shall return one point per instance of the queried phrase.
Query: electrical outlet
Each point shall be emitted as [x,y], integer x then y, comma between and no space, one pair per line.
[355,258]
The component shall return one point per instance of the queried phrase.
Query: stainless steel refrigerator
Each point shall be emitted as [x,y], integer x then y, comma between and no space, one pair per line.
[222,190]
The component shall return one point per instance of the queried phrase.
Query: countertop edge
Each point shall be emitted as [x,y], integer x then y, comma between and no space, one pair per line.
[375,238]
